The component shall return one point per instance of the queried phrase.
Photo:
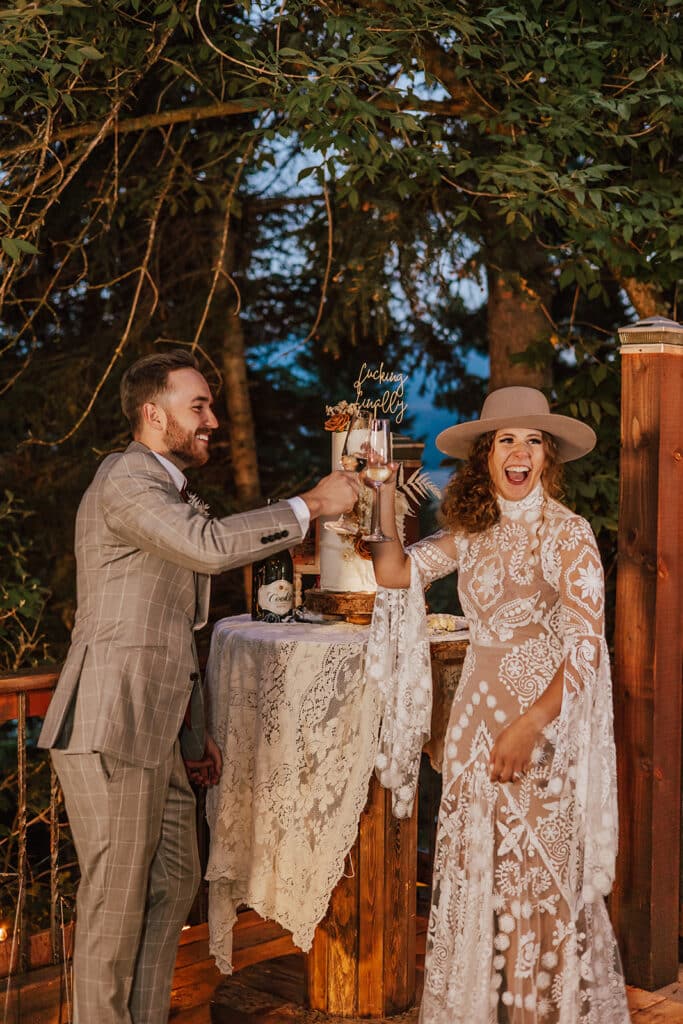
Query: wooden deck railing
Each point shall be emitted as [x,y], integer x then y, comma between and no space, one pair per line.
[23,696]
[26,865]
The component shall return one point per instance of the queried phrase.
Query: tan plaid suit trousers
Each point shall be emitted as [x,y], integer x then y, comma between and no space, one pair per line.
[144,558]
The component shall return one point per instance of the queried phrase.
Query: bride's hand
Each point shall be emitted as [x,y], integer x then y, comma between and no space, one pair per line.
[511,752]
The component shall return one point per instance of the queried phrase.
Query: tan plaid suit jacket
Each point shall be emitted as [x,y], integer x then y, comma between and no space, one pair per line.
[144,558]
[143,563]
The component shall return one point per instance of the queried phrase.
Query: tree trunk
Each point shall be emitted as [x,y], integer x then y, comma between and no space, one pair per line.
[516,320]
[240,419]
[237,400]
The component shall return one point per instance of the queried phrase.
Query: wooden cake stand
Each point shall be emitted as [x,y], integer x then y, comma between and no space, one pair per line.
[354,607]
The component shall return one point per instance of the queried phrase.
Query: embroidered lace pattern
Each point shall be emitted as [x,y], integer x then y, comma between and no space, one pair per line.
[397,661]
[518,930]
[298,728]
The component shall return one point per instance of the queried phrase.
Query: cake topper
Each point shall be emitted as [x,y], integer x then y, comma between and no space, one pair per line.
[392,400]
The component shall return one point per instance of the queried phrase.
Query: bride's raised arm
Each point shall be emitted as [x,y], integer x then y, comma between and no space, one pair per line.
[389,559]
[434,556]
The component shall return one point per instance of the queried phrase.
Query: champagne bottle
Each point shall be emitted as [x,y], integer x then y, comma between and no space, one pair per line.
[272,587]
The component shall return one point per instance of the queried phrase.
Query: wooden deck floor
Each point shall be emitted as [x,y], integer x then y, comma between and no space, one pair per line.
[267,988]
[267,991]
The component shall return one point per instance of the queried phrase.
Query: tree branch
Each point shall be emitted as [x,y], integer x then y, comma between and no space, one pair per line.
[231,108]
[646,297]
[440,65]
[143,275]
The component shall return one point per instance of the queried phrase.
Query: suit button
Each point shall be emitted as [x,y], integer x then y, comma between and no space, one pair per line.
[285,533]
[194,677]
[264,540]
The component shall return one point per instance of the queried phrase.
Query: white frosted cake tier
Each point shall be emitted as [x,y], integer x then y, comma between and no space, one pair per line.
[341,569]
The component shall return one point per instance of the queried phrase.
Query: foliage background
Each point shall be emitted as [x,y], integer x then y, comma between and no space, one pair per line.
[293,188]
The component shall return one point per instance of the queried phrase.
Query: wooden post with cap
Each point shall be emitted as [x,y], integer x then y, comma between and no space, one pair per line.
[649,627]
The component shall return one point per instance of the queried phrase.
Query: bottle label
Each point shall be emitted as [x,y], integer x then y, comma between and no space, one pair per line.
[276,597]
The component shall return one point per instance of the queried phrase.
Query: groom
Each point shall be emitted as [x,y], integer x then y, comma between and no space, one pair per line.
[144,556]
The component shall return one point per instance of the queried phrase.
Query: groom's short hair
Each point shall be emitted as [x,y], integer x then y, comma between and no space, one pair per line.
[147,378]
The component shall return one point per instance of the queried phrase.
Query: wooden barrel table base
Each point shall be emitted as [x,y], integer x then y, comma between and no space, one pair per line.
[362,963]
[352,606]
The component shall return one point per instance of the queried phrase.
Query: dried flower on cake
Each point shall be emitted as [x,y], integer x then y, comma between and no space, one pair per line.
[339,416]
[361,547]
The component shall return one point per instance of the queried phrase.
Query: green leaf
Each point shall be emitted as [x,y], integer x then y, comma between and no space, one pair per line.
[91,53]
[25,246]
[638,74]
[306,172]
[11,248]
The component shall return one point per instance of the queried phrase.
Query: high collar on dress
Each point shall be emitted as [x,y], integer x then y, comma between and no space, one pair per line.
[528,509]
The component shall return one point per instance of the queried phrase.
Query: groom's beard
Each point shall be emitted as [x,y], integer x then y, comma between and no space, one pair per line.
[183,444]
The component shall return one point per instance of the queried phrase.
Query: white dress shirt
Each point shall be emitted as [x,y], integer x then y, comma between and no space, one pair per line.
[298,505]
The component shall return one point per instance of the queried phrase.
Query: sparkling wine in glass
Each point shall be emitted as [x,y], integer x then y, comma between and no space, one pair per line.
[353,458]
[377,472]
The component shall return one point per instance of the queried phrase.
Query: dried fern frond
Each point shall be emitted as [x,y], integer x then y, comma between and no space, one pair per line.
[418,487]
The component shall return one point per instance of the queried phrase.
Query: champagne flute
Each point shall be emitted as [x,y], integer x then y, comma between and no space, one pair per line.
[377,472]
[354,456]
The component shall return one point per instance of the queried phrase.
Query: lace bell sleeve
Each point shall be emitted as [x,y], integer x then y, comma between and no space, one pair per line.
[584,762]
[398,663]
[431,559]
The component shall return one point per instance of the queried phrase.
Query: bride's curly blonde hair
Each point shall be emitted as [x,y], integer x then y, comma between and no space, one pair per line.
[469,501]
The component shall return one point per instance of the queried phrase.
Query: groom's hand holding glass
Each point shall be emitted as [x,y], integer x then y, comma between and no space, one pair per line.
[333,494]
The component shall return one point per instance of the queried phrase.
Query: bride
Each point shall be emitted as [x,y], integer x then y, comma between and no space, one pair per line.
[527,831]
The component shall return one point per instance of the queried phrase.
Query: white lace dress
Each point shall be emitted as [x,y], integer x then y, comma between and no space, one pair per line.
[518,930]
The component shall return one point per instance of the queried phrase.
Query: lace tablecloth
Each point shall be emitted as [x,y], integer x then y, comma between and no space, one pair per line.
[298,728]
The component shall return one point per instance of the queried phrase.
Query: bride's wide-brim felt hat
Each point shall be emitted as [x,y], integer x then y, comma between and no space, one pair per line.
[519,407]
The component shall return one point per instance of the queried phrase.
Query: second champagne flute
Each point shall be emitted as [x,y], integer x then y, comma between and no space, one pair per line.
[377,472]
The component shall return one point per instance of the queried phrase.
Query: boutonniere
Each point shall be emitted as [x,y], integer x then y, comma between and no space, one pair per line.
[198,505]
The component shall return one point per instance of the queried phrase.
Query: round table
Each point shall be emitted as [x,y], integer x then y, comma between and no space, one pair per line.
[296,811]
